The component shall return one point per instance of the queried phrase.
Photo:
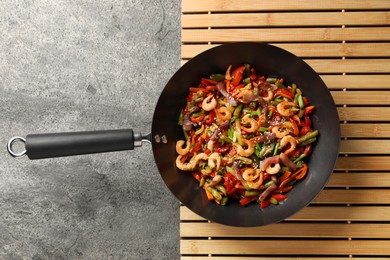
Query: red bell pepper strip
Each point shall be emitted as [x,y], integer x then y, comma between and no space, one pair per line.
[284,93]
[230,183]
[208,82]
[308,110]
[197,175]
[197,119]
[279,197]
[211,118]
[294,125]
[305,101]
[197,145]
[237,75]
[307,149]
[246,200]
[223,148]
[265,203]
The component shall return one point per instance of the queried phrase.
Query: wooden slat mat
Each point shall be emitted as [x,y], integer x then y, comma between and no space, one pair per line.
[348,43]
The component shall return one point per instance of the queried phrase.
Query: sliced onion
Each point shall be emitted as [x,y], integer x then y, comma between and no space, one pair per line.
[222,127]
[267,192]
[237,173]
[187,124]
[286,161]
[230,99]
[268,161]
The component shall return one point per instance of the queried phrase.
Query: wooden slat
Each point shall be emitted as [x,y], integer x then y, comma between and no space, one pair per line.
[233,20]
[365,147]
[350,65]
[306,230]
[189,6]
[322,213]
[369,114]
[355,213]
[361,97]
[286,247]
[287,34]
[372,130]
[360,196]
[363,163]
[363,179]
[372,49]
[357,81]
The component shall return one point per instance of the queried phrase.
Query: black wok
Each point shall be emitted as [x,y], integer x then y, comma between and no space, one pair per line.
[267,60]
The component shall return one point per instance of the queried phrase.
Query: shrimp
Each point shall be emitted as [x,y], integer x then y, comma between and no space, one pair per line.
[191,165]
[245,152]
[253,177]
[280,131]
[179,147]
[209,103]
[270,95]
[224,113]
[214,161]
[288,139]
[210,145]
[254,125]
[273,168]
[287,108]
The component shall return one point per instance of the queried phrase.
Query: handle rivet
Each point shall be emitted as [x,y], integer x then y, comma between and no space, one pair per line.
[164,139]
[157,138]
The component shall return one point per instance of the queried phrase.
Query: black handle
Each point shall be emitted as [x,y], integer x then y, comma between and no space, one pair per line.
[39,146]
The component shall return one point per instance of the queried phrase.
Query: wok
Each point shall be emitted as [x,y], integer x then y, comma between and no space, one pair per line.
[267,60]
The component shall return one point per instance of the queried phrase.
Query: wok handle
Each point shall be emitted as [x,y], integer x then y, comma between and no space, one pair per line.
[40,146]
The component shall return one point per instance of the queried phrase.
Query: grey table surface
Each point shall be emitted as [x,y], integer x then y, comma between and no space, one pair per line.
[85,65]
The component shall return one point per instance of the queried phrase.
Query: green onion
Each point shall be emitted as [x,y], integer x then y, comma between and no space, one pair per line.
[268,183]
[308,136]
[273,201]
[217,77]
[300,102]
[263,129]
[251,193]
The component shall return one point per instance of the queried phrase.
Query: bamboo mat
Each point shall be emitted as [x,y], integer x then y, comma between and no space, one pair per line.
[348,43]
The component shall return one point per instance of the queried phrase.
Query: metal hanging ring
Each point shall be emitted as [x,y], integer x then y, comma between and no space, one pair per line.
[11,142]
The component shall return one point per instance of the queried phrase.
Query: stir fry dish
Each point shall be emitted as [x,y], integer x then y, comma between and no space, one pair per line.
[246,136]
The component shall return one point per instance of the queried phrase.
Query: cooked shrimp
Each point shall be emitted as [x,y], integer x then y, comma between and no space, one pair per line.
[254,125]
[288,139]
[245,152]
[273,168]
[287,108]
[225,113]
[254,178]
[209,103]
[179,147]
[214,161]
[270,95]
[191,165]
[210,145]
[280,131]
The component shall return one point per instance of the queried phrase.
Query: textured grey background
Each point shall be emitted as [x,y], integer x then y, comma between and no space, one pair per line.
[85,65]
